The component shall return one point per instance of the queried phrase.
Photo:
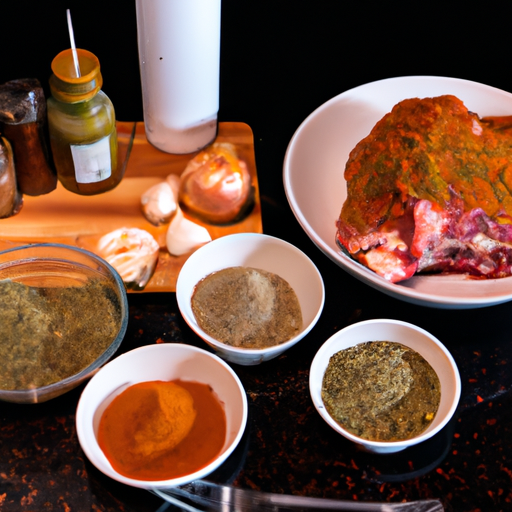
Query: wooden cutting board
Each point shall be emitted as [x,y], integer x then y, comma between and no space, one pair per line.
[68,218]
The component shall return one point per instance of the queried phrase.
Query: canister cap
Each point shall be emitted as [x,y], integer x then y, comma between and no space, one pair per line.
[64,83]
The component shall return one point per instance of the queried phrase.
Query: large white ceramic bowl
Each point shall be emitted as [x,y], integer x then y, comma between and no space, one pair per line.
[257,251]
[316,189]
[400,332]
[166,361]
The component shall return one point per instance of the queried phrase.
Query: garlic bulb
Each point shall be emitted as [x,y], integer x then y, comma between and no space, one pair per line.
[132,252]
[184,235]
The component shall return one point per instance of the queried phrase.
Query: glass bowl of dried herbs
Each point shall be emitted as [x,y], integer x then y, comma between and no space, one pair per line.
[384,384]
[63,314]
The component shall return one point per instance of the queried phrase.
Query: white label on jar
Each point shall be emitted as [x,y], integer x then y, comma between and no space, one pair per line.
[92,161]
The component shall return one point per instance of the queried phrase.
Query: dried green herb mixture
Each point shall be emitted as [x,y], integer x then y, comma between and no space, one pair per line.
[381,391]
[48,334]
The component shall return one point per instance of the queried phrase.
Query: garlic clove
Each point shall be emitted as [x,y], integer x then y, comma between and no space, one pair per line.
[159,203]
[184,235]
[132,252]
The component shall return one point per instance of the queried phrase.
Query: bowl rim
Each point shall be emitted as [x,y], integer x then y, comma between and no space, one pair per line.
[317,372]
[82,417]
[249,352]
[107,353]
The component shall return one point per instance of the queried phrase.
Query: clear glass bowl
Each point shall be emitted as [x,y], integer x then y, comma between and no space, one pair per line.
[61,266]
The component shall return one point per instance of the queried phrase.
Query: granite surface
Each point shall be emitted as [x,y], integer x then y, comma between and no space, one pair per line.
[287,448]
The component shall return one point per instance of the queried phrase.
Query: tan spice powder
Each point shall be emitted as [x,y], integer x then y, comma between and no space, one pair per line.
[247,307]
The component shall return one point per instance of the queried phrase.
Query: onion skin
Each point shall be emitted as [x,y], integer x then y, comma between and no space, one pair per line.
[216,185]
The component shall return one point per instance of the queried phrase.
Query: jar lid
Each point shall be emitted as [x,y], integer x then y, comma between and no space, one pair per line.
[64,83]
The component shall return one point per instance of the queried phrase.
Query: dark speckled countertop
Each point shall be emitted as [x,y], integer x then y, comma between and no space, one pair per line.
[287,447]
[281,60]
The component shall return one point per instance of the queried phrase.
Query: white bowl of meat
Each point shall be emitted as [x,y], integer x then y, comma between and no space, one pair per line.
[384,384]
[250,296]
[459,254]
[161,416]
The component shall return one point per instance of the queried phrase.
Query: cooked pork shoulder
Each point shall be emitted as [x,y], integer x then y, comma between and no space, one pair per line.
[430,190]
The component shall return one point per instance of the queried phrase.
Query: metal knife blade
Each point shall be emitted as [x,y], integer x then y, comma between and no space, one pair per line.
[228,498]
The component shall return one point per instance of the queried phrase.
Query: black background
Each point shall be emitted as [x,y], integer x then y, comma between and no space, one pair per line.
[280,58]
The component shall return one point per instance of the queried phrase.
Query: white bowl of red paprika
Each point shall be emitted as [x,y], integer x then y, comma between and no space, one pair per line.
[161,416]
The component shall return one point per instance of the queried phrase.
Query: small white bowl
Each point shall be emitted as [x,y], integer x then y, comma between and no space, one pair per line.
[258,251]
[400,332]
[166,361]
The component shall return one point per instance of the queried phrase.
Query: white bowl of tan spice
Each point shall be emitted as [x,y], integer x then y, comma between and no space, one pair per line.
[276,273]
[385,384]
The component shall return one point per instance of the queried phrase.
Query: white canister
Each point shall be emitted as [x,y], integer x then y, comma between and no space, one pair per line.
[179,53]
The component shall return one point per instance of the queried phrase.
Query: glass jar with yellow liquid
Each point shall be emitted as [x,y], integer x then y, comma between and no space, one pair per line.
[81,121]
